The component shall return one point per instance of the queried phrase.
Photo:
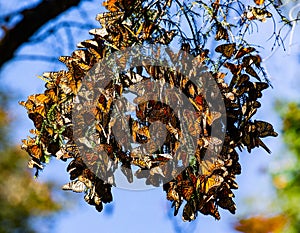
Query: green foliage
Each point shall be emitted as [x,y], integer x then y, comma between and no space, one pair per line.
[291,127]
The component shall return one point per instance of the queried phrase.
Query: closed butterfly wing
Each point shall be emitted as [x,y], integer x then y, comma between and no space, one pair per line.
[212,116]
[234,69]
[210,208]
[76,186]
[260,13]
[35,163]
[243,51]
[244,78]
[221,33]
[189,211]
[227,203]
[252,72]
[186,189]
[206,184]
[259,2]
[264,129]
[227,50]
[128,173]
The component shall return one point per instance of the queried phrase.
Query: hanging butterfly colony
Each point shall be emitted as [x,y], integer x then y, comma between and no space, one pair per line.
[205,184]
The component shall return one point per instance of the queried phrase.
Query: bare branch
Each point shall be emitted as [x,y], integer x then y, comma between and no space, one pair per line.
[33,19]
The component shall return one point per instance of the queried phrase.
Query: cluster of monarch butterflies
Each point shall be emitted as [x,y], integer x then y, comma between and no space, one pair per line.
[207,182]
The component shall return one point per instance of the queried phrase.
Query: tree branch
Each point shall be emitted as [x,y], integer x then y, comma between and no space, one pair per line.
[33,19]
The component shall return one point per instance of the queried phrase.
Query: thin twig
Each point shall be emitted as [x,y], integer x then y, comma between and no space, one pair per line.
[294,22]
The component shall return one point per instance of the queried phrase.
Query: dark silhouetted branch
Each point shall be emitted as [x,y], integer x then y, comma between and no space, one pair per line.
[33,19]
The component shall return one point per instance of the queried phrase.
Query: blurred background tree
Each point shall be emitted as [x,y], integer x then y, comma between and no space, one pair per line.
[286,180]
[22,199]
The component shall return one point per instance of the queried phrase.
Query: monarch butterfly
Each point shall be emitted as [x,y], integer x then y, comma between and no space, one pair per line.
[88,43]
[76,186]
[65,59]
[111,5]
[82,65]
[189,211]
[225,191]
[102,32]
[210,182]
[198,102]
[111,17]
[227,50]
[209,208]
[264,129]
[215,6]
[163,157]
[259,2]
[29,105]
[210,117]
[67,153]
[219,76]
[40,110]
[207,178]
[252,72]
[227,203]
[143,163]
[88,183]
[154,71]
[154,180]
[32,163]
[131,78]
[37,120]
[243,51]
[157,170]
[238,81]
[153,145]
[144,131]
[230,96]
[221,33]
[126,170]
[93,198]
[104,103]
[259,86]
[255,89]
[115,5]
[172,194]
[208,166]
[75,168]
[234,69]
[52,94]
[80,55]
[186,189]
[257,13]
[39,99]
[209,142]
[176,132]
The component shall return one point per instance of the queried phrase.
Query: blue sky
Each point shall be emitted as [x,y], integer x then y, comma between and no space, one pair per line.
[149,211]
